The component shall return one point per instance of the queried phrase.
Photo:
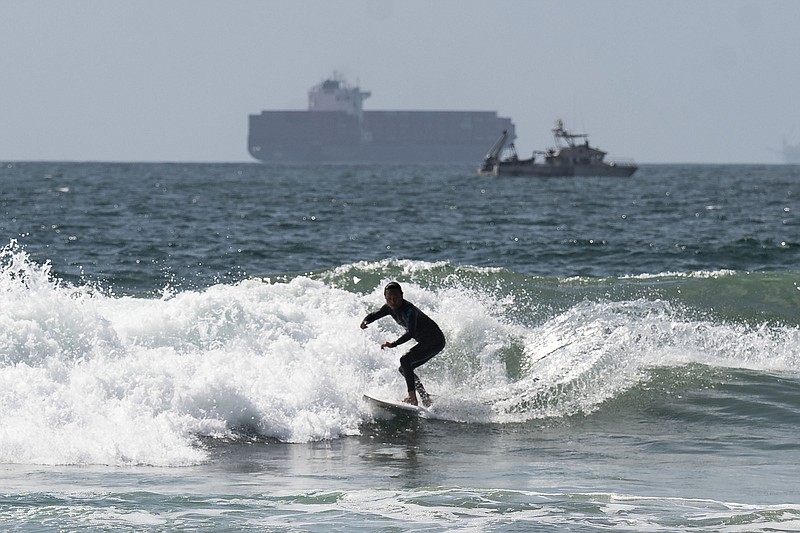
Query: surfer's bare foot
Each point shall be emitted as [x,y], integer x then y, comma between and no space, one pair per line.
[412,399]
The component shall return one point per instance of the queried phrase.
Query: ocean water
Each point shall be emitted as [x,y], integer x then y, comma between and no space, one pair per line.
[180,350]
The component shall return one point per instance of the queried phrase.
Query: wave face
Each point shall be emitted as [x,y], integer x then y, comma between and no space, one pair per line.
[90,377]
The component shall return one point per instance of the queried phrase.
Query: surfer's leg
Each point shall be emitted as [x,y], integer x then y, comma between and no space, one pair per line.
[407,372]
[423,394]
[417,356]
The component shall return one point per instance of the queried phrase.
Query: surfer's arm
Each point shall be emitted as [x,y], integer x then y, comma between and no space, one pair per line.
[405,337]
[411,316]
[409,319]
[372,317]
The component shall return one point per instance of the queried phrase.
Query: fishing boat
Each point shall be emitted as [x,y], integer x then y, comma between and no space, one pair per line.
[571,156]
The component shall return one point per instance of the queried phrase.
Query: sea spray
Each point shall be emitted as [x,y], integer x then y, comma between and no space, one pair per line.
[597,351]
[93,378]
[122,380]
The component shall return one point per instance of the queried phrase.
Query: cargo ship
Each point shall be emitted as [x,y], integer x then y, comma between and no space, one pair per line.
[335,128]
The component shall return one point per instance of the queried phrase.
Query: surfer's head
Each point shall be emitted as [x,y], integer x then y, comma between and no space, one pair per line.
[393,286]
[393,294]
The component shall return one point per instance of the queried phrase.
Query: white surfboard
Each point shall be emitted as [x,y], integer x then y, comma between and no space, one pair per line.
[397,407]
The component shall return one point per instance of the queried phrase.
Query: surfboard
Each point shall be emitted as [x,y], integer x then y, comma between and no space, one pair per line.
[397,407]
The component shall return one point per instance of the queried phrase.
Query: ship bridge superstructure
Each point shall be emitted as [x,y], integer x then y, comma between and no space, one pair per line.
[335,95]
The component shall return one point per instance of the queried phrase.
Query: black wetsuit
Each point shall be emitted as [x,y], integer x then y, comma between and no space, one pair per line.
[421,328]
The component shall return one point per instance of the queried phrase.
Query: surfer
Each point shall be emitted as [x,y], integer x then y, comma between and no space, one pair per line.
[418,326]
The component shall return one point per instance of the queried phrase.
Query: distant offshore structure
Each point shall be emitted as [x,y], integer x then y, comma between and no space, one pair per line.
[791,153]
[337,129]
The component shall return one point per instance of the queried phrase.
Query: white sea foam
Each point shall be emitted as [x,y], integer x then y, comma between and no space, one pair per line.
[699,274]
[595,351]
[91,378]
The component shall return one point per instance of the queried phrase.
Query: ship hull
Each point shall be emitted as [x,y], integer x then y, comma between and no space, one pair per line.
[400,152]
[540,170]
[377,137]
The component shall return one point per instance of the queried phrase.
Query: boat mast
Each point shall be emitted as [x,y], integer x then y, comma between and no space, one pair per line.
[560,133]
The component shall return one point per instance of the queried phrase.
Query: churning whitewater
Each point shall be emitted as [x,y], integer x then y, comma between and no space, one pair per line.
[93,378]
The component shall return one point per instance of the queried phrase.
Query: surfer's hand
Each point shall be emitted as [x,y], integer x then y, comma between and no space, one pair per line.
[363,324]
[387,345]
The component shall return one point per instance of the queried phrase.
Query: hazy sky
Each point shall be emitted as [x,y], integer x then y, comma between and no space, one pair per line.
[712,81]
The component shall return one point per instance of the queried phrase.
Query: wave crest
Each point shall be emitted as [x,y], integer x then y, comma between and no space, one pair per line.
[88,377]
